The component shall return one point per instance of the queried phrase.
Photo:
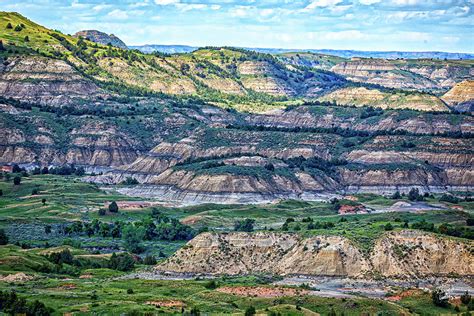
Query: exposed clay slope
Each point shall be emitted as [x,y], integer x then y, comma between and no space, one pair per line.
[461,96]
[285,254]
[372,97]
[43,80]
[414,253]
[276,253]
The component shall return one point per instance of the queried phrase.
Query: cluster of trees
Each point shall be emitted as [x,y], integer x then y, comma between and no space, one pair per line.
[157,227]
[413,195]
[344,132]
[314,163]
[245,225]
[12,304]
[446,229]
[65,170]
[120,262]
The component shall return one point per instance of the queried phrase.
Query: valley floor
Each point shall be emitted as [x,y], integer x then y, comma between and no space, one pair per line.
[40,217]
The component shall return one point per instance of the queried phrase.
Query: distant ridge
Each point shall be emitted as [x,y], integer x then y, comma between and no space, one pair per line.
[173,49]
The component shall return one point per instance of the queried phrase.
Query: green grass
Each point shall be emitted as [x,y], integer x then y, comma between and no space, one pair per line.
[76,295]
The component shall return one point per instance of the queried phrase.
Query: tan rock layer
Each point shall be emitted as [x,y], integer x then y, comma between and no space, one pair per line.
[396,254]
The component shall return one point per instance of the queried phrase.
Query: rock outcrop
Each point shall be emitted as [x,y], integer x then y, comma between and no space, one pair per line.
[43,80]
[461,96]
[396,254]
[101,38]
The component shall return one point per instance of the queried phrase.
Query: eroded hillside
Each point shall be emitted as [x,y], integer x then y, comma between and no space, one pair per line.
[397,254]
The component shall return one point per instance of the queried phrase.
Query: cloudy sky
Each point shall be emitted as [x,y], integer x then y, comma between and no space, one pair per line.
[410,25]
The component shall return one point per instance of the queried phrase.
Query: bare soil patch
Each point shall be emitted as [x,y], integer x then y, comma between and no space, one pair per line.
[260,291]
[166,303]
[17,277]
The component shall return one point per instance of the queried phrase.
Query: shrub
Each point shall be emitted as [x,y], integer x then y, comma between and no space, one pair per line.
[244,226]
[129,291]
[414,195]
[113,207]
[17,180]
[388,227]
[130,181]
[61,257]
[43,200]
[3,237]
[9,26]
[466,298]
[27,39]
[121,262]
[250,311]
[1,192]
[149,260]
[11,304]
[211,285]
[18,28]
[448,198]
[102,211]
[396,196]
[439,298]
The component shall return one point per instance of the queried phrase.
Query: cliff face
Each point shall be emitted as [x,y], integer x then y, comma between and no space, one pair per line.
[404,253]
[405,74]
[461,96]
[44,80]
[101,38]
[363,97]
[412,253]
[244,253]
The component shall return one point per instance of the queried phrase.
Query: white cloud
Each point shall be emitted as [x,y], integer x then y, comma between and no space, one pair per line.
[321,4]
[118,14]
[166,2]
[369,2]
[101,7]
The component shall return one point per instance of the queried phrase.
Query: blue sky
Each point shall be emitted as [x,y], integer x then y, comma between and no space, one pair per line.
[410,25]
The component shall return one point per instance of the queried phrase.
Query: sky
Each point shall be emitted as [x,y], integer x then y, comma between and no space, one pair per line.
[403,25]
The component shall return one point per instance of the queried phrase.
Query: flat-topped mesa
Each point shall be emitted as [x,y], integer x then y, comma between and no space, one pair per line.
[291,254]
[101,38]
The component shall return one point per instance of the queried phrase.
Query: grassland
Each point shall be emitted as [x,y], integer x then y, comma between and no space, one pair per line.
[84,290]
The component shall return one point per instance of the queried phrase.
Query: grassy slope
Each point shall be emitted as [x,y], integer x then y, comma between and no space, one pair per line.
[209,73]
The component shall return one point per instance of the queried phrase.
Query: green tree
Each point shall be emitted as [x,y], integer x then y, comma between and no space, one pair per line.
[466,298]
[244,226]
[2,48]
[27,39]
[149,260]
[113,207]
[121,262]
[133,237]
[250,311]
[396,196]
[211,285]
[3,237]
[439,298]
[414,195]
[9,26]
[388,227]
[16,180]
